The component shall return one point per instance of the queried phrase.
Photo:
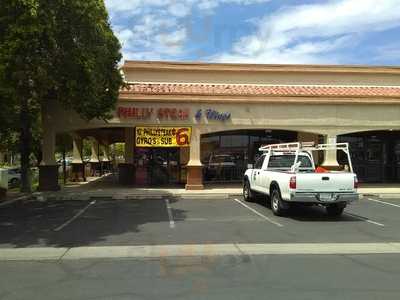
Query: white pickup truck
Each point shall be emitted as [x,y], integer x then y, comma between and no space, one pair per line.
[286,174]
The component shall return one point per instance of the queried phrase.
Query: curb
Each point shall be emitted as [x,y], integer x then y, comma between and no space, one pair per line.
[89,196]
[381,195]
[194,250]
[387,196]
[12,201]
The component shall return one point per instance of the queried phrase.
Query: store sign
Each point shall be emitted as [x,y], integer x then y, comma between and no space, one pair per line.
[163,136]
[212,114]
[146,113]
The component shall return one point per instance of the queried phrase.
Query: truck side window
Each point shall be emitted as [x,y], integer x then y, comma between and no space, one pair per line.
[259,162]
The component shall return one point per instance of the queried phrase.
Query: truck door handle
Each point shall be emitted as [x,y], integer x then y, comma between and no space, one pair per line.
[325,178]
[258,173]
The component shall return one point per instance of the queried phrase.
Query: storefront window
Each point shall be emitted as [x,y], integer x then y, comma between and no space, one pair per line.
[375,155]
[228,141]
[157,166]
[225,155]
[374,151]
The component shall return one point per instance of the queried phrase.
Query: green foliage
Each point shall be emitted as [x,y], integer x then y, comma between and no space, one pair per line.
[54,50]
[60,50]
[86,148]
[119,149]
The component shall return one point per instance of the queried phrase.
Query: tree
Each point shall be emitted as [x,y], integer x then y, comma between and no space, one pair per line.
[56,50]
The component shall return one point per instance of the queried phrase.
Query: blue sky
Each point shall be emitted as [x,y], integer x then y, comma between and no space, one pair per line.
[259,31]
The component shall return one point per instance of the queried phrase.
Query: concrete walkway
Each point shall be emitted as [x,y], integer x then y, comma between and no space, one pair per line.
[380,189]
[193,250]
[107,187]
[13,197]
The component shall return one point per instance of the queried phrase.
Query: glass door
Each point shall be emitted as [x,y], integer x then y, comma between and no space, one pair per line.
[375,159]
[157,166]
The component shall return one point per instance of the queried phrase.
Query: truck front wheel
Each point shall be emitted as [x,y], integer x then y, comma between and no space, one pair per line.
[277,204]
[247,192]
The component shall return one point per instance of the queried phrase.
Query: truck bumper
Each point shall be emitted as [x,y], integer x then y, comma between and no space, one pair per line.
[324,198]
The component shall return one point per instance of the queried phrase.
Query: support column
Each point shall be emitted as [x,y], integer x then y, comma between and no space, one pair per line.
[309,137]
[48,169]
[78,167]
[194,168]
[94,158]
[330,159]
[105,160]
[127,169]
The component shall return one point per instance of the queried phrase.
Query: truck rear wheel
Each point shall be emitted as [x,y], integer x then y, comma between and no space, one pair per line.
[277,205]
[248,194]
[335,210]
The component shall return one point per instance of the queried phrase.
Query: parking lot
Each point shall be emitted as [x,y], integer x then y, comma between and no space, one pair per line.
[169,220]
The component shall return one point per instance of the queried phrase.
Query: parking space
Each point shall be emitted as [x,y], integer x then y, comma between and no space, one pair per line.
[191,221]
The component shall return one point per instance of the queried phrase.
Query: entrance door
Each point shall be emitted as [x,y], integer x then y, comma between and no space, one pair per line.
[396,161]
[158,166]
[375,159]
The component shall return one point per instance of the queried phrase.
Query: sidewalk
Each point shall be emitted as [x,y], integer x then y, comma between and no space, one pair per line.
[107,187]
[13,197]
[380,189]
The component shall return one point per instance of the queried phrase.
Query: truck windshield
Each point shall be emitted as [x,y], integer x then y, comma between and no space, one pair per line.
[287,161]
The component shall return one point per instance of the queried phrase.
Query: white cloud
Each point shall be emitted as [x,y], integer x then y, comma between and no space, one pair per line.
[309,33]
[389,52]
[157,29]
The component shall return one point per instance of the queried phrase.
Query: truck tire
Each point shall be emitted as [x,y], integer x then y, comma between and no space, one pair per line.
[277,204]
[267,201]
[248,194]
[335,210]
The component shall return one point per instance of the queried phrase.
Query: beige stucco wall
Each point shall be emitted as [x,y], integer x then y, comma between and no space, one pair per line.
[326,119]
[319,119]
[278,78]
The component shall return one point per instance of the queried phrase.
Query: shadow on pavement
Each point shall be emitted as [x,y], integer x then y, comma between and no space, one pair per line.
[35,223]
[312,214]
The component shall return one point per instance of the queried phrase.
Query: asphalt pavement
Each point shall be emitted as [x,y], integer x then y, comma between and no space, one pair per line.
[228,277]
[190,221]
[254,253]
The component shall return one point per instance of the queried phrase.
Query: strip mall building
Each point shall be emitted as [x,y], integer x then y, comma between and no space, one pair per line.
[194,123]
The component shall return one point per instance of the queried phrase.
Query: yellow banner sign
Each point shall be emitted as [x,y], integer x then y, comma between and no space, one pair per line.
[163,136]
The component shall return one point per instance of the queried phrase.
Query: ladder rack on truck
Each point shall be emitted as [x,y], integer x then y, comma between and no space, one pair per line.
[308,147]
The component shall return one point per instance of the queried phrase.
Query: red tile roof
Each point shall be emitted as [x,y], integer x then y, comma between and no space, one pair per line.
[260,90]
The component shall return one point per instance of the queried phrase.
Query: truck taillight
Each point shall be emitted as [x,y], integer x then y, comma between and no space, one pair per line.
[355,182]
[292,182]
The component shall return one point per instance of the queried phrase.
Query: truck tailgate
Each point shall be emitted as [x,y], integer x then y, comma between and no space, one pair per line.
[325,182]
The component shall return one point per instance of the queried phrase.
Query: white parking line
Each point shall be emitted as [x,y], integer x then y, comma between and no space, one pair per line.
[364,219]
[258,213]
[383,202]
[171,218]
[74,217]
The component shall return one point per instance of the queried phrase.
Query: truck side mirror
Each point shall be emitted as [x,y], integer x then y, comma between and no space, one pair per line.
[249,166]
